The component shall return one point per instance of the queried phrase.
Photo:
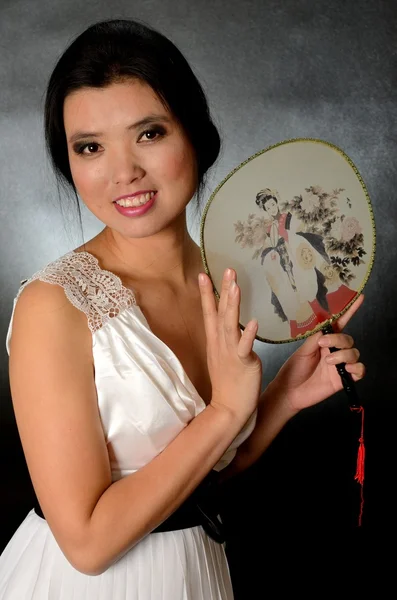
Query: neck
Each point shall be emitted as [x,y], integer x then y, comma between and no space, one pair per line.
[170,255]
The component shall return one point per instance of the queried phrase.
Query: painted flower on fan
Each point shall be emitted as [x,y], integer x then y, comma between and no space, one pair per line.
[259,236]
[336,230]
[329,202]
[310,202]
[239,227]
[317,189]
[350,228]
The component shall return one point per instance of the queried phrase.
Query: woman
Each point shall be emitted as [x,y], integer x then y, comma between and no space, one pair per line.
[125,420]
[294,261]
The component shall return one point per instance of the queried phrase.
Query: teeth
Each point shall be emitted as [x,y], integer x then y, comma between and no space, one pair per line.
[136,200]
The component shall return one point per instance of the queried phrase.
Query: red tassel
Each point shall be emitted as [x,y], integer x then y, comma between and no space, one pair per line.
[359,476]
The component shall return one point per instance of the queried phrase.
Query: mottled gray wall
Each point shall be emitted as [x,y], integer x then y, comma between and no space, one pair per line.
[272,70]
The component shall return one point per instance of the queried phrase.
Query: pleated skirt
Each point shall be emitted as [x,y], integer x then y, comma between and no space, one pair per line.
[174,565]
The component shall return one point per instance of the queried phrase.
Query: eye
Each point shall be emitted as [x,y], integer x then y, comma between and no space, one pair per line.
[91,147]
[152,134]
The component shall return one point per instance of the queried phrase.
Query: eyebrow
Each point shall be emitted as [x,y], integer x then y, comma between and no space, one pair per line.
[79,135]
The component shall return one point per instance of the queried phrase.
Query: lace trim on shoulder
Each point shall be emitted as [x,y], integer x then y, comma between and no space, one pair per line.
[98,293]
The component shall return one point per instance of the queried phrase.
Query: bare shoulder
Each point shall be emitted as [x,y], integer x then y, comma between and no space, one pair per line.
[40,295]
[44,306]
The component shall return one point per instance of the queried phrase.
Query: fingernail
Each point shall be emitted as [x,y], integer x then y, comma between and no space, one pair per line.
[331,360]
[228,273]
[201,279]
[324,341]
[253,324]
[232,287]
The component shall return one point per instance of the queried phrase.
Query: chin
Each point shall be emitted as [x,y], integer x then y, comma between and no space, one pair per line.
[145,228]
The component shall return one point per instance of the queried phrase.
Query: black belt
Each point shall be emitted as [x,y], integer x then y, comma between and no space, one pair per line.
[200,508]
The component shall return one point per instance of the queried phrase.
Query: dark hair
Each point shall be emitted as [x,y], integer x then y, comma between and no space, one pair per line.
[115,50]
[262,198]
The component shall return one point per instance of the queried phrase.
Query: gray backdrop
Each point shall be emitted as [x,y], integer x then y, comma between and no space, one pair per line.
[272,70]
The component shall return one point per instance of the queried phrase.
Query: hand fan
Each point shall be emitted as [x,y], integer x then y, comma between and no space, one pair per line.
[295,222]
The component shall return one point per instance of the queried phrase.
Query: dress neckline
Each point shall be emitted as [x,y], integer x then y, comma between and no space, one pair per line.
[129,291]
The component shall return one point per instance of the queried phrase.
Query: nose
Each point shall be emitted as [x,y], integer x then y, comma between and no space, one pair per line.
[126,167]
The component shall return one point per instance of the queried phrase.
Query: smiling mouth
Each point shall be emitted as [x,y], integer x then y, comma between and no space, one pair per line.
[135,200]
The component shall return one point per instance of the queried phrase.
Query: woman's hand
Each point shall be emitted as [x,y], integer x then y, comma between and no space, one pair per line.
[235,370]
[309,375]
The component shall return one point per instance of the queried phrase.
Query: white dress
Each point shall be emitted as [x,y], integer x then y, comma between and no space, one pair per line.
[145,399]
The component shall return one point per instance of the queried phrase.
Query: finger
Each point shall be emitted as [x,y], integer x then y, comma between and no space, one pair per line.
[336,340]
[232,333]
[348,356]
[357,370]
[345,318]
[310,345]
[244,350]
[228,276]
[208,306]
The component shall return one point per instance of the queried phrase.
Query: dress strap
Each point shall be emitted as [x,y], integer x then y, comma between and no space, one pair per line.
[98,293]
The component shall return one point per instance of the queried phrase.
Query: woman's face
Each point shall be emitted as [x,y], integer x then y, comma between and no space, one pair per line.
[122,141]
[271,207]
[307,256]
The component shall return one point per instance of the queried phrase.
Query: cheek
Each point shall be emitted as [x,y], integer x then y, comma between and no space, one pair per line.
[178,165]
[87,177]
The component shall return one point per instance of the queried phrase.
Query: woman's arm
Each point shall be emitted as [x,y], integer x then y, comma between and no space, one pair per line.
[272,415]
[94,520]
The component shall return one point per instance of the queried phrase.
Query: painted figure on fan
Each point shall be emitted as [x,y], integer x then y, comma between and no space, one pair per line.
[305,288]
